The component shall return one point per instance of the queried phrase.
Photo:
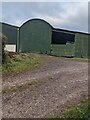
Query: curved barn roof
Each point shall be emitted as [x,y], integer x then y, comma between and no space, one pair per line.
[49,25]
[37,19]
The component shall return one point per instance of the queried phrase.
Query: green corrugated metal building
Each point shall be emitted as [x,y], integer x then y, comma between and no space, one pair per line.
[11,32]
[77,49]
[36,35]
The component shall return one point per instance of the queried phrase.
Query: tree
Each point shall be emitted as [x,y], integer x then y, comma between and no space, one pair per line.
[3,39]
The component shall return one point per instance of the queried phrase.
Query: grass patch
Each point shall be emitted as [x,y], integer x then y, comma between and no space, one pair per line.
[21,62]
[81,111]
[25,86]
[80,59]
[20,88]
[76,59]
[71,58]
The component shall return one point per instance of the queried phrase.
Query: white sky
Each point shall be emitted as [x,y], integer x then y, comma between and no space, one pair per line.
[66,15]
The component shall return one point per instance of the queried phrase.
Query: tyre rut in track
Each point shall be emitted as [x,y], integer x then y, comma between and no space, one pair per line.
[66,84]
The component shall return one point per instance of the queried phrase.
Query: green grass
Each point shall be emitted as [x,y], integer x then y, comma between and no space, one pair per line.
[79,59]
[25,86]
[74,58]
[20,63]
[20,88]
[81,111]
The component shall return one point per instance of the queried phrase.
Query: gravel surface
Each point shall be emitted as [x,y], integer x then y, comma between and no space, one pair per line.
[65,83]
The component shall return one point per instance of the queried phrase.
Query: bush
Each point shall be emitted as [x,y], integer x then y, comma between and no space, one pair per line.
[3,39]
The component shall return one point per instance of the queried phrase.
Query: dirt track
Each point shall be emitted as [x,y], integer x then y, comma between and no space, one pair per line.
[63,83]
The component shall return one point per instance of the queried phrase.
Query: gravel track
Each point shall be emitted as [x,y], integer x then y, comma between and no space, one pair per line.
[66,83]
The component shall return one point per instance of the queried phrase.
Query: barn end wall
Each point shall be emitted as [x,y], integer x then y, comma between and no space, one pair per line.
[81,45]
[10,32]
[35,36]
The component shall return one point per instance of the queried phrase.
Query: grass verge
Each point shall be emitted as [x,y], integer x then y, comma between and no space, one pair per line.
[20,88]
[72,58]
[25,86]
[77,112]
[80,59]
[20,63]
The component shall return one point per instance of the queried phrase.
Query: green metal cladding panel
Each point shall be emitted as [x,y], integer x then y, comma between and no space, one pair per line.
[35,36]
[10,32]
[78,49]
[81,45]
[64,50]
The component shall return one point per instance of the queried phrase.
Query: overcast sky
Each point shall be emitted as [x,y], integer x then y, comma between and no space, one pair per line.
[65,15]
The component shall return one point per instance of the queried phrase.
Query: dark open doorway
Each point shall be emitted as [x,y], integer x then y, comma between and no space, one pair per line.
[62,38]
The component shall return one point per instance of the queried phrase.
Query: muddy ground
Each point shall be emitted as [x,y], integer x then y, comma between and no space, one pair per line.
[60,84]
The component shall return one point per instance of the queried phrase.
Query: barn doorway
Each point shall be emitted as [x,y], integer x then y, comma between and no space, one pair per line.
[63,44]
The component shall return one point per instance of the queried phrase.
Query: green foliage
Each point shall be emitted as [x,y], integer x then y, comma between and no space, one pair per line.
[21,62]
[3,39]
[23,86]
[79,111]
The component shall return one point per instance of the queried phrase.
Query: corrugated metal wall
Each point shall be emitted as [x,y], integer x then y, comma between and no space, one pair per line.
[35,36]
[10,32]
[78,49]
[64,50]
[81,45]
